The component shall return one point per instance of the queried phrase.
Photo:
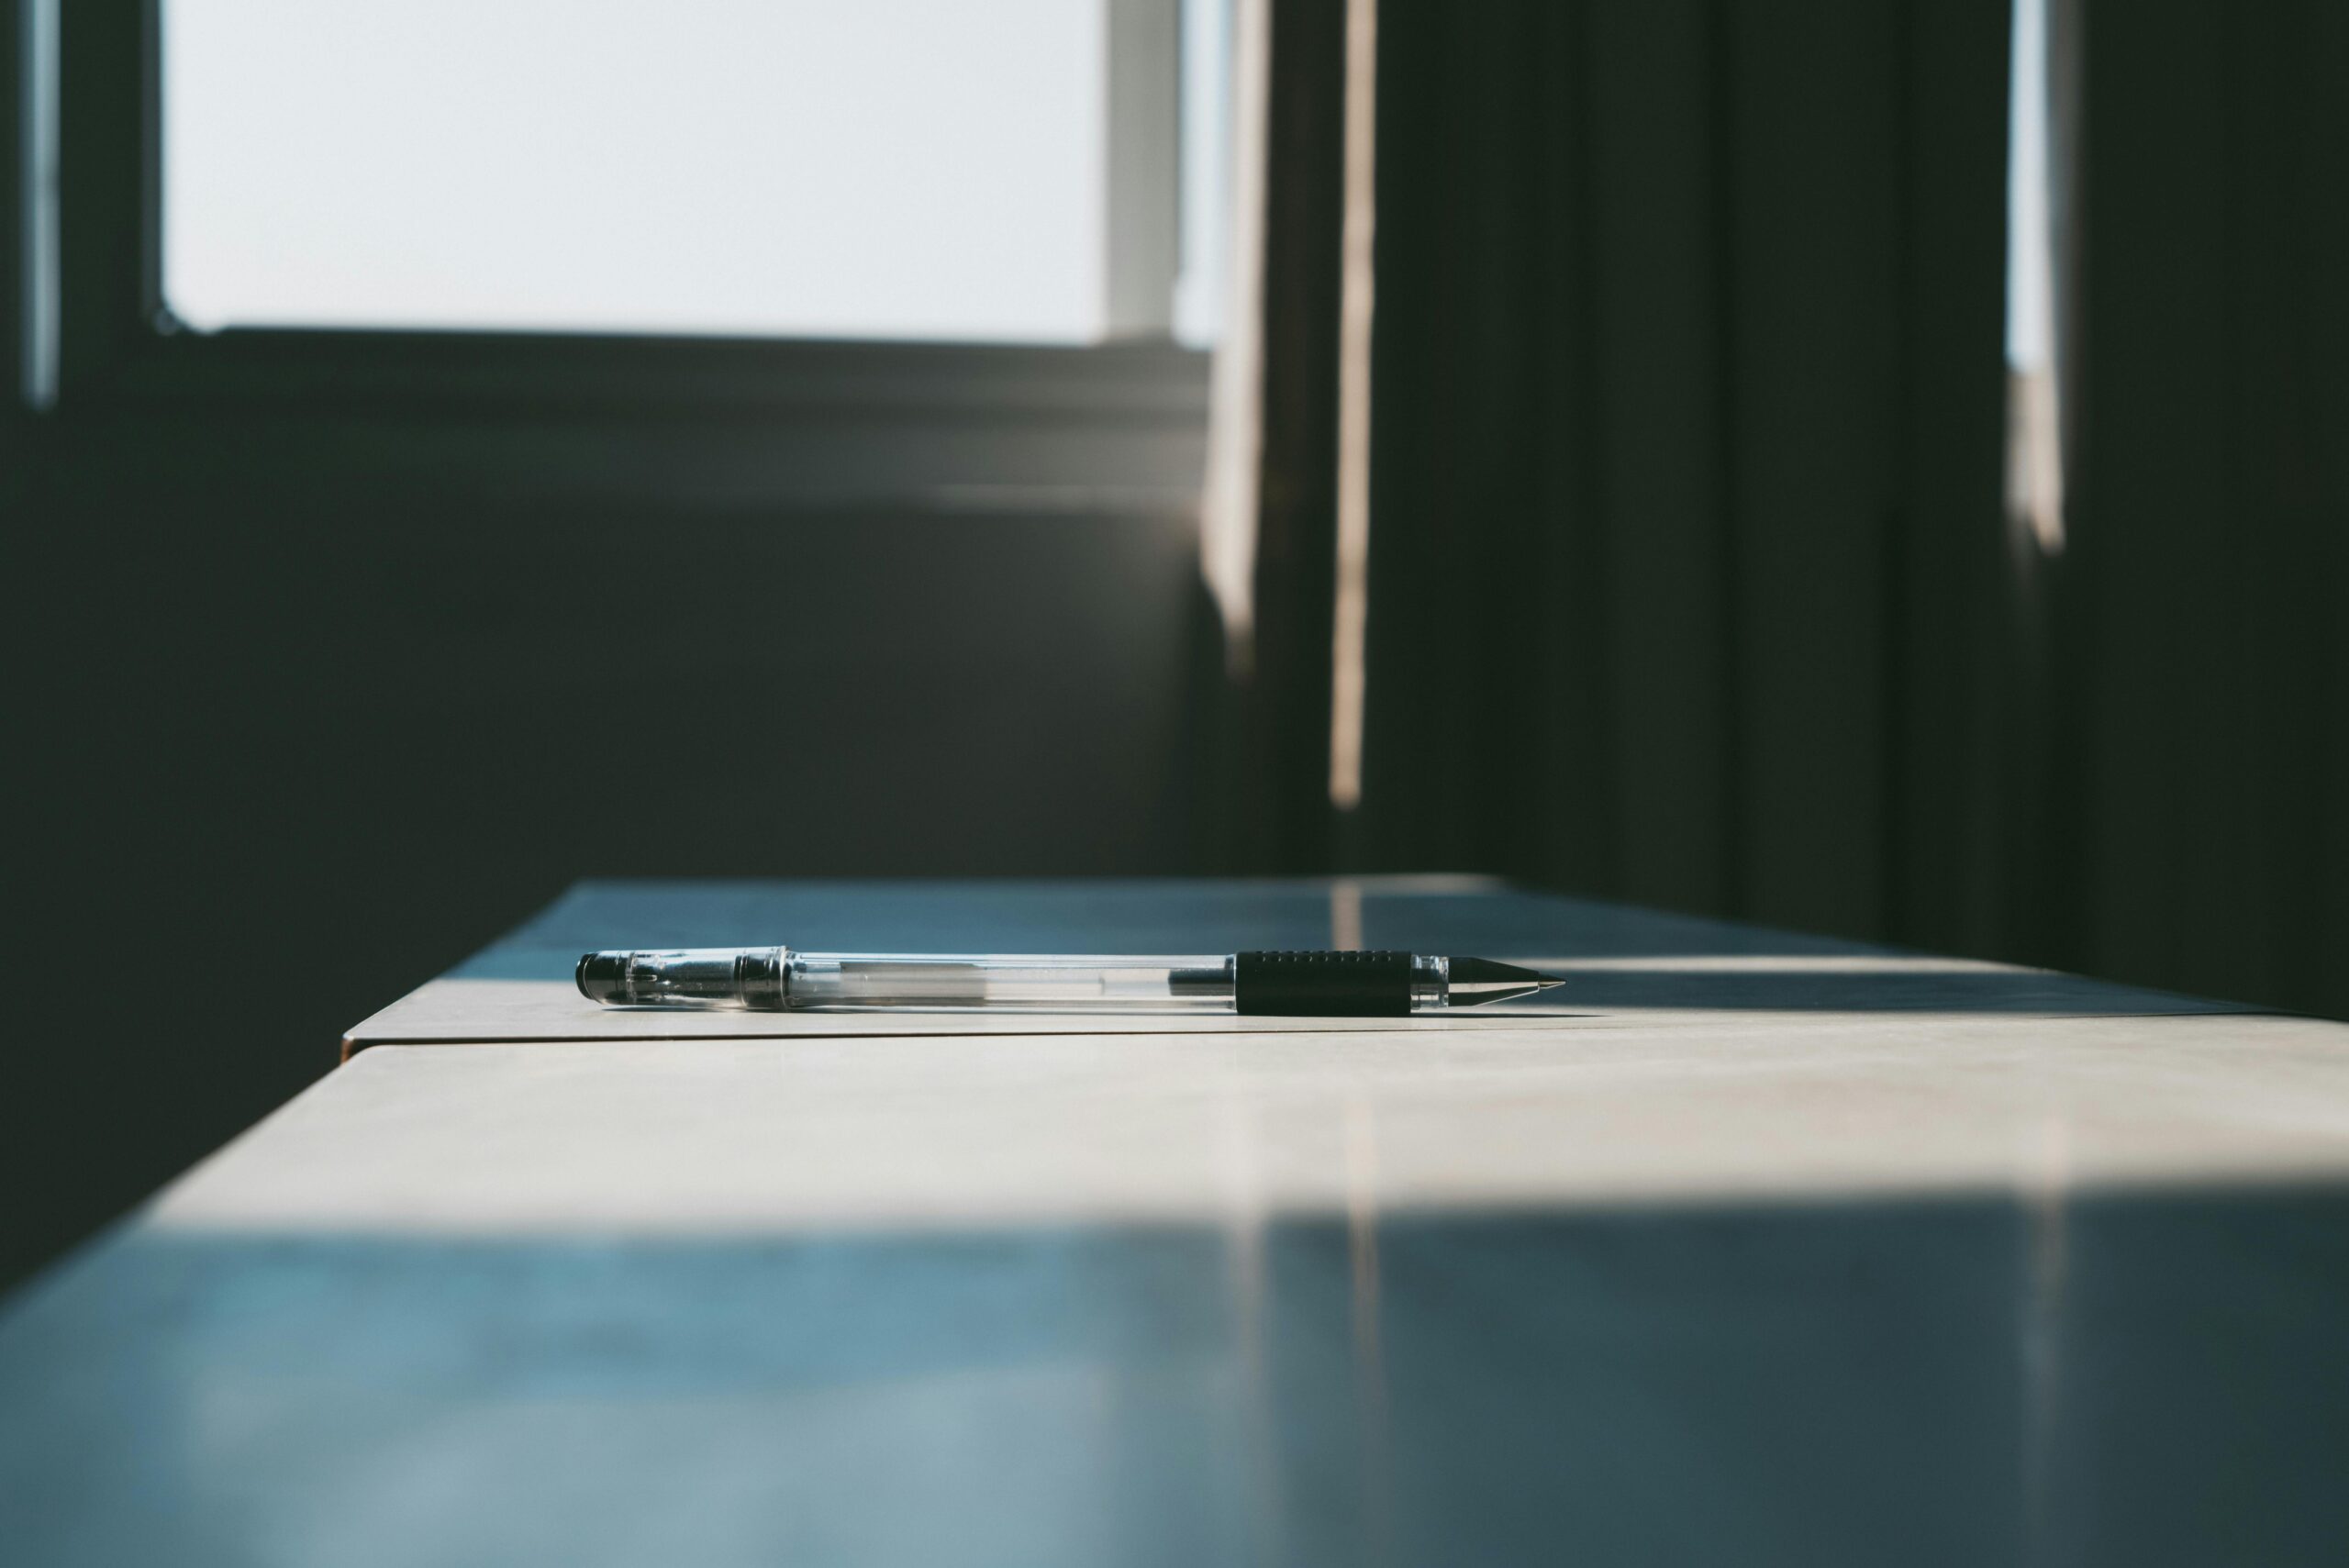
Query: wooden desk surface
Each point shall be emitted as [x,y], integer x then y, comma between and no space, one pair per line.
[1784,1252]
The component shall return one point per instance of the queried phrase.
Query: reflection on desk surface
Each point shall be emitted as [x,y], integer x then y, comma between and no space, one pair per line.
[2127,1379]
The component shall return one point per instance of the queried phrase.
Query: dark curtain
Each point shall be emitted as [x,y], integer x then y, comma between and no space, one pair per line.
[1689,429]
[1692,578]
[2202,766]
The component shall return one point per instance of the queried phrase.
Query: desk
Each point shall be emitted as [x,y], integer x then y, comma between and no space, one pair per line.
[1755,1248]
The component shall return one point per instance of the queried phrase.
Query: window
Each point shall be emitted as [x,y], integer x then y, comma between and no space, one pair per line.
[521,240]
[985,171]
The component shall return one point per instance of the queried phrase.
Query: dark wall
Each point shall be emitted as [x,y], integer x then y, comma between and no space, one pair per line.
[295,737]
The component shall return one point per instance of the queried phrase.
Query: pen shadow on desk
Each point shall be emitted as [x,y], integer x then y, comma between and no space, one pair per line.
[1597,990]
[1921,1381]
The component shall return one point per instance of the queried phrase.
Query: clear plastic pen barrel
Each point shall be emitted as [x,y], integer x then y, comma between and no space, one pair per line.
[783,977]
[1006,980]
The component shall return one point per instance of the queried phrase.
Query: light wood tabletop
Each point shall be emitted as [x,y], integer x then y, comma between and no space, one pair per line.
[1742,1246]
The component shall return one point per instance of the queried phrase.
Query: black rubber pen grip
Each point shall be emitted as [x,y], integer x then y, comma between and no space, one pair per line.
[1322,984]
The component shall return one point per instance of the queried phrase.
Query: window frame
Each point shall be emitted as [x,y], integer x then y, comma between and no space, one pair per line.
[1113,426]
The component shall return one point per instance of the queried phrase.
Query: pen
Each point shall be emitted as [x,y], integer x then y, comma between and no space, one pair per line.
[1308,984]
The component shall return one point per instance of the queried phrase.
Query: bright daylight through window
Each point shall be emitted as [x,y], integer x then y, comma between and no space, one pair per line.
[886,169]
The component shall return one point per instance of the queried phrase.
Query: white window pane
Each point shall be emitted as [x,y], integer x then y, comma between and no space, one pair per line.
[837,168]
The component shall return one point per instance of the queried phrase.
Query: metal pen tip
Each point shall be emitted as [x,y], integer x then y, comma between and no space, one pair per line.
[1547,984]
[1475,982]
